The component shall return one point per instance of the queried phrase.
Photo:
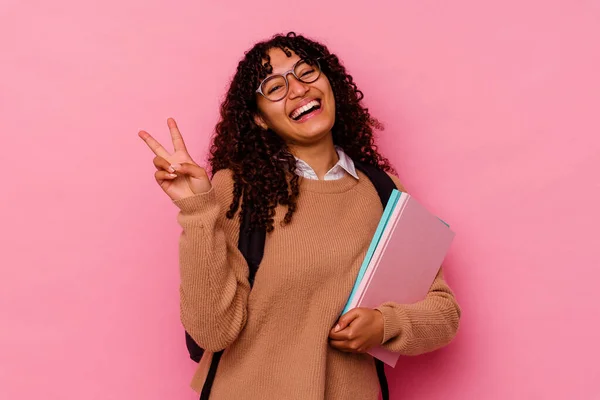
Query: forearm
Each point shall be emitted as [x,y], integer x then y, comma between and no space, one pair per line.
[422,327]
[214,285]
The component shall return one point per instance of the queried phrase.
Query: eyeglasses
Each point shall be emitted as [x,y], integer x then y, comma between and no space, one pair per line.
[275,87]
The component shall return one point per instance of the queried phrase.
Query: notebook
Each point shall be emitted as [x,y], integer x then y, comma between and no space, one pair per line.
[402,261]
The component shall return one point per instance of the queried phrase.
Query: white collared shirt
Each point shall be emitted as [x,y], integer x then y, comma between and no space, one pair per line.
[343,166]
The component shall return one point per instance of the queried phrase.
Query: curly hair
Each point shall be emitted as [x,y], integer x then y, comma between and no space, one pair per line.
[263,167]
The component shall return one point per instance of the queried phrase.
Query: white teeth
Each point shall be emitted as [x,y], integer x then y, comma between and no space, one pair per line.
[304,108]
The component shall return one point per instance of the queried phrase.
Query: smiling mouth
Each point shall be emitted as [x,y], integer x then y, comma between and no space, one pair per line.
[305,110]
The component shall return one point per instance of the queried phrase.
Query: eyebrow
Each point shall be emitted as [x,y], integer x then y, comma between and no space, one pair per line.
[283,69]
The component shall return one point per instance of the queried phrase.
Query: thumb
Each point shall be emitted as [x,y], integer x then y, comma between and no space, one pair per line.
[346,319]
[197,178]
[190,169]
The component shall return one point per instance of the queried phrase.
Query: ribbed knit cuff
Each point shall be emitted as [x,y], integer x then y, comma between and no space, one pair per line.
[394,321]
[197,202]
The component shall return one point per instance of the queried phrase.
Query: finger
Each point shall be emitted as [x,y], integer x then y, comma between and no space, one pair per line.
[153,144]
[161,163]
[345,335]
[178,143]
[193,170]
[341,345]
[347,346]
[349,333]
[164,176]
[346,319]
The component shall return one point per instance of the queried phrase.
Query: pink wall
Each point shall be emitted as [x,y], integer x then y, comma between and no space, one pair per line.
[489,111]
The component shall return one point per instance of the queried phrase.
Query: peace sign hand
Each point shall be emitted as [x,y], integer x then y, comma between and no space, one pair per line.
[177,174]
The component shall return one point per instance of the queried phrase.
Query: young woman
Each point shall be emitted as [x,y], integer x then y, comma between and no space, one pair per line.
[292,126]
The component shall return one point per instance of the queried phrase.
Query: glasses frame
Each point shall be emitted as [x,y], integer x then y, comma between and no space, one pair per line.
[285,74]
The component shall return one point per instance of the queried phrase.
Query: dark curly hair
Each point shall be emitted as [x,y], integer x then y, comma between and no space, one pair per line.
[263,167]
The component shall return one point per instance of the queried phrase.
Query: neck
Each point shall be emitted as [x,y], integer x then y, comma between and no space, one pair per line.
[320,156]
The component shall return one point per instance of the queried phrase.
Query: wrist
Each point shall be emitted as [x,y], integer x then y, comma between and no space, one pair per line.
[380,323]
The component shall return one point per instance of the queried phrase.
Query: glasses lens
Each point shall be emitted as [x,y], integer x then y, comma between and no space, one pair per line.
[274,88]
[307,71]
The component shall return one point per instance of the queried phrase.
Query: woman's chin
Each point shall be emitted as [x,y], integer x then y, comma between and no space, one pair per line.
[314,131]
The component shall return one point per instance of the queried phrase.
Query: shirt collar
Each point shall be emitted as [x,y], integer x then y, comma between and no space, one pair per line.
[344,163]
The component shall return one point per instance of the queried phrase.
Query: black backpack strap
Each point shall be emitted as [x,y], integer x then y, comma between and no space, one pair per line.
[383,384]
[252,246]
[380,179]
[210,378]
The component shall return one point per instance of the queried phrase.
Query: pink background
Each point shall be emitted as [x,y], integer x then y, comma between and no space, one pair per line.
[489,113]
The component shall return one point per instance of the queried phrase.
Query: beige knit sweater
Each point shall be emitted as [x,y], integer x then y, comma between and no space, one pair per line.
[275,336]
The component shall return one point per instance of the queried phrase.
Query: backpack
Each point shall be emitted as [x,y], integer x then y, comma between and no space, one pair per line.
[251,244]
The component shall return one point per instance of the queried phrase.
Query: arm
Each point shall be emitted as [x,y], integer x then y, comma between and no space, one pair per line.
[214,275]
[408,329]
[422,327]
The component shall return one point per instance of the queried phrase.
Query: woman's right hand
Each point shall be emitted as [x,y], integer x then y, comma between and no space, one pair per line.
[177,174]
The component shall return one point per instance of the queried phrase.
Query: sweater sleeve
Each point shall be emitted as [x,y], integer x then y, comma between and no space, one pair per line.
[424,326]
[213,273]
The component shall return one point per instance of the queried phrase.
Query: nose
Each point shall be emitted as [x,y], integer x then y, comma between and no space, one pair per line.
[296,87]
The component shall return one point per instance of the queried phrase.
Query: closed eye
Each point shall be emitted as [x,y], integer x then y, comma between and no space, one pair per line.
[275,88]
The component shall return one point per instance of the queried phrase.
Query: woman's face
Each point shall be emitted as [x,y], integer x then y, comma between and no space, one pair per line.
[282,116]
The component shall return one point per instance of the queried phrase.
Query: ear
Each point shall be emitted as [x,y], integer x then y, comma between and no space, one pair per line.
[258,120]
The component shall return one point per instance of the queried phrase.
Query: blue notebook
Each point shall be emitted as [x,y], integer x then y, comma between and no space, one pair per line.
[394,197]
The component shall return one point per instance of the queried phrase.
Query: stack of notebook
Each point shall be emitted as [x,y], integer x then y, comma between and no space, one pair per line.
[402,261]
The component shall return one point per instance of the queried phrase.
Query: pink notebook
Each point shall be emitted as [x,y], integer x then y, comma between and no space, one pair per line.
[405,262]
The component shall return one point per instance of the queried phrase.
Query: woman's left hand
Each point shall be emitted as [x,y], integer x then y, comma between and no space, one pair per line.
[357,331]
